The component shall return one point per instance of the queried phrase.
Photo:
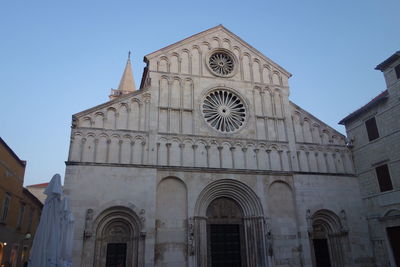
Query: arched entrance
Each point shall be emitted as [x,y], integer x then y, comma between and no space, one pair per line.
[328,236]
[229,223]
[118,241]
[225,233]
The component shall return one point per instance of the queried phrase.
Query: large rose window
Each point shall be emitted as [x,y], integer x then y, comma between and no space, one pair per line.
[224,111]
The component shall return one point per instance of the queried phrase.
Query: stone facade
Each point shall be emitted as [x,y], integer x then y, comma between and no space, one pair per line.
[202,150]
[381,199]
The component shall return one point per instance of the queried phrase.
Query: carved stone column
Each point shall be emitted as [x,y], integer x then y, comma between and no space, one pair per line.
[200,235]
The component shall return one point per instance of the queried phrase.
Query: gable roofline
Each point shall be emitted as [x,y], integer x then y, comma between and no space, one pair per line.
[38,185]
[317,120]
[86,111]
[383,66]
[22,163]
[213,29]
[376,100]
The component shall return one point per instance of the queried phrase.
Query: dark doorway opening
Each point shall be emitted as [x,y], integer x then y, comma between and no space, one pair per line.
[116,255]
[394,239]
[321,251]
[225,245]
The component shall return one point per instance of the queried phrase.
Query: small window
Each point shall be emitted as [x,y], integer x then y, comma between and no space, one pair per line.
[397,70]
[372,129]
[383,175]
[21,215]
[6,205]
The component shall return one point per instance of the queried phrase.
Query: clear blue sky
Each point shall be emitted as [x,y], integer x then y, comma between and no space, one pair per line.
[58,58]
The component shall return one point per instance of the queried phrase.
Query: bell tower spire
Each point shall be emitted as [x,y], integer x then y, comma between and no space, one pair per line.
[127,83]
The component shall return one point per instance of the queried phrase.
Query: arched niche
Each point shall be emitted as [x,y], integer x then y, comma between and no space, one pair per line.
[118,238]
[239,197]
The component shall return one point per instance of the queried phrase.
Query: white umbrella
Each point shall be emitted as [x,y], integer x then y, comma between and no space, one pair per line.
[46,244]
[67,233]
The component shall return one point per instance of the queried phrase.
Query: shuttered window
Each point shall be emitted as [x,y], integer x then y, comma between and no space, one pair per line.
[383,175]
[397,70]
[372,129]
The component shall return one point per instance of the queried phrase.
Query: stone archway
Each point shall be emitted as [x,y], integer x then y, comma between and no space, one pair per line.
[245,208]
[118,240]
[329,239]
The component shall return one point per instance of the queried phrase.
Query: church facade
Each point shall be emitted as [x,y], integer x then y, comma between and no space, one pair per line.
[210,164]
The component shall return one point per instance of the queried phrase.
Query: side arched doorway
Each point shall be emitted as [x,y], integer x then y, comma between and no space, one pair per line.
[118,242]
[329,239]
[229,226]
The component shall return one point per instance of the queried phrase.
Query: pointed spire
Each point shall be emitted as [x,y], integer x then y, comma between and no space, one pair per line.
[127,83]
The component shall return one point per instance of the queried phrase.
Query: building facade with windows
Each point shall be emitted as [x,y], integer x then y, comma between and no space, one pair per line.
[209,163]
[374,134]
[19,210]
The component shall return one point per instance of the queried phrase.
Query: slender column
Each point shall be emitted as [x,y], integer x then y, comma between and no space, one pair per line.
[256,150]
[232,149]
[181,147]
[208,155]
[308,160]
[220,156]
[96,144]
[83,141]
[343,162]
[280,159]
[316,160]
[289,157]
[132,151]
[142,154]
[326,162]
[119,151]
[298,160]
[158,154]
[168,145]
[244,149]
[108,151]
[334,162]
[128,116]
[269,158]
[194,155]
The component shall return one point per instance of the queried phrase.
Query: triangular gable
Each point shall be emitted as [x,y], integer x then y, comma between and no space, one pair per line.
[220,27]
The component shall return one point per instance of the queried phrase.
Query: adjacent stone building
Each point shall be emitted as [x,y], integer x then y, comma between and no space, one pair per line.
[19,210]
[374,134]
[209,163]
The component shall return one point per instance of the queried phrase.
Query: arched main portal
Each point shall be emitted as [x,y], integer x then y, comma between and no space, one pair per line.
[229,208]
[118,241]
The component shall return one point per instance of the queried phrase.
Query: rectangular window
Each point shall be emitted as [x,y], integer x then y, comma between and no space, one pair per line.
[6,205]
[372,129]
[21,215]
[397,70]
[383,175]
[31,213]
